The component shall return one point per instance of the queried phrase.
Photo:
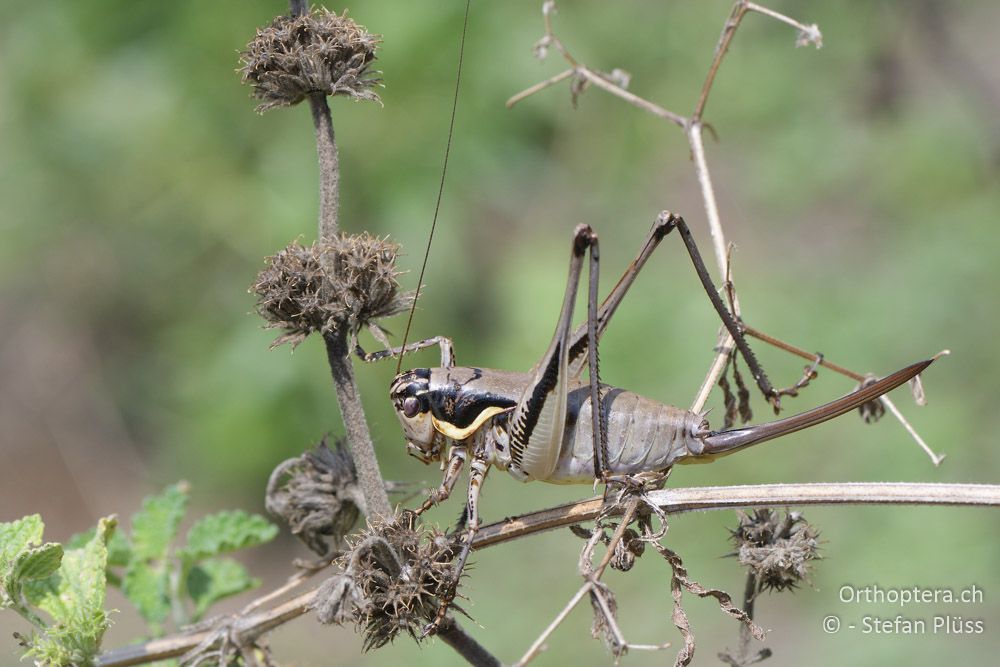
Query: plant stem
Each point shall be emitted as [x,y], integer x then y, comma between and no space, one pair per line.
[452,634]
[363,451]
[673,501]
[329,167]
[337,349]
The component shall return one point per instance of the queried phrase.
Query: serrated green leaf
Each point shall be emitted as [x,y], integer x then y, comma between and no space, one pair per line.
[119,551]
[74,597]
[155,525]
[226,531]
[38,562]
[147,588]
[215,579]
[15,536]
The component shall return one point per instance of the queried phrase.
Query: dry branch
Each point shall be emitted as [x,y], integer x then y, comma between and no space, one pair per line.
[671,501]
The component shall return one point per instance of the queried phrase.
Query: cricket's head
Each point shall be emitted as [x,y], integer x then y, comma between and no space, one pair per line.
[410,393]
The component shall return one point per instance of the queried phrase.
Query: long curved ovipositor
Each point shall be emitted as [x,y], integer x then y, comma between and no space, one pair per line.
[719,443]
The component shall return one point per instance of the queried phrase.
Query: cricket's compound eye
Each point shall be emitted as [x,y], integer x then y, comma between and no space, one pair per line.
[411,406]
[409,393]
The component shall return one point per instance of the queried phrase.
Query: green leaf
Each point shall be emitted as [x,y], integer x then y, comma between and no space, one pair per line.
[226,531]
[215,579]
[155,525]
[17,540]
[119,551]
[74,597]
[17,535]
[38,562]
[147,587]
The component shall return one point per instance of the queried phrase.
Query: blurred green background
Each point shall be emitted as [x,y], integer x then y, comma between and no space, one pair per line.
[139,193]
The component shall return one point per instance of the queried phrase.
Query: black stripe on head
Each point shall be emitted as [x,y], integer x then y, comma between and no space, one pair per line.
[460,405]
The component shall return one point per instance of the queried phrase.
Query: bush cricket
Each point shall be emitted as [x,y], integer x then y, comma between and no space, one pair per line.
[542,426]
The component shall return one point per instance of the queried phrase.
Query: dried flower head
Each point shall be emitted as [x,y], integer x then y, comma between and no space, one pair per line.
[319,52]
[776,548]
[339,285]
[317,495]
[873,410]
[393,578]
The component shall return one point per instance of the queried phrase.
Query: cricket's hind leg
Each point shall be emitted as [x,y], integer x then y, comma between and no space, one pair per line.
[665,223]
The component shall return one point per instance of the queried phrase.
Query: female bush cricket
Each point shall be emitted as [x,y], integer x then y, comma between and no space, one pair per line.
[542,425]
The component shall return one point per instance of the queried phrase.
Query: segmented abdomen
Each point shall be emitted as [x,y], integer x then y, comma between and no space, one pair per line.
[643,435]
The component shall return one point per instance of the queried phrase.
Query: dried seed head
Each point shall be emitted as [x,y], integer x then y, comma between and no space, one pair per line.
[319,52]
[393,579]
[776,549]
[873,410]
[339,285]
[317,495]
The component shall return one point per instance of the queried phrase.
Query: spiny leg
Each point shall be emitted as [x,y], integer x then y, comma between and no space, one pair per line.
[598,427]
[538,420]
[447,351]
[665,223]
[477,473]
[727,318]
[456,460]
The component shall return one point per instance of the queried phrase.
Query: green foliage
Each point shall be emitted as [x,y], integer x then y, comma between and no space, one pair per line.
[67,585]
[225,532]
[158,577]
[161,577]
[215,579]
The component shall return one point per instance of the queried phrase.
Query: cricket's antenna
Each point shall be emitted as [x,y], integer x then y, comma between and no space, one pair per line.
[437,205]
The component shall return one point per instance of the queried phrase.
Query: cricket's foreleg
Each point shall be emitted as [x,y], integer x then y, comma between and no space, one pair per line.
[477,473]
[447,351]
[456,461]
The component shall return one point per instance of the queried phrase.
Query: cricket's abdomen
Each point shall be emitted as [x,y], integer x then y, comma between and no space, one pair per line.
[643,435]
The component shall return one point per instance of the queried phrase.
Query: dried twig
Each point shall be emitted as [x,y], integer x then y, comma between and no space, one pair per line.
[671,501]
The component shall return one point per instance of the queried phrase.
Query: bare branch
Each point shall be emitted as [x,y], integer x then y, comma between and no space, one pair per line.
[672,501]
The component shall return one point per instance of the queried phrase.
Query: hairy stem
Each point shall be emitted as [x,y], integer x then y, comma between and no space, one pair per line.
[337,350]
[369,476]
[329,167]
[452,634]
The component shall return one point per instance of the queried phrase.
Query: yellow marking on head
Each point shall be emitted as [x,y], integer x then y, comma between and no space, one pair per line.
[455,433]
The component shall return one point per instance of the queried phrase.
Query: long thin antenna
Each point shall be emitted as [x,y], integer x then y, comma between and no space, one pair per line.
[437,205]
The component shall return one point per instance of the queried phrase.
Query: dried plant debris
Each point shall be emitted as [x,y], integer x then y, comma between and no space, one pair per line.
[681,582]
[392,580]
[627,549]
[319,52]
[339,285]
[317,495]
[604,625]
[777,548]
[739,404]
[873,410]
